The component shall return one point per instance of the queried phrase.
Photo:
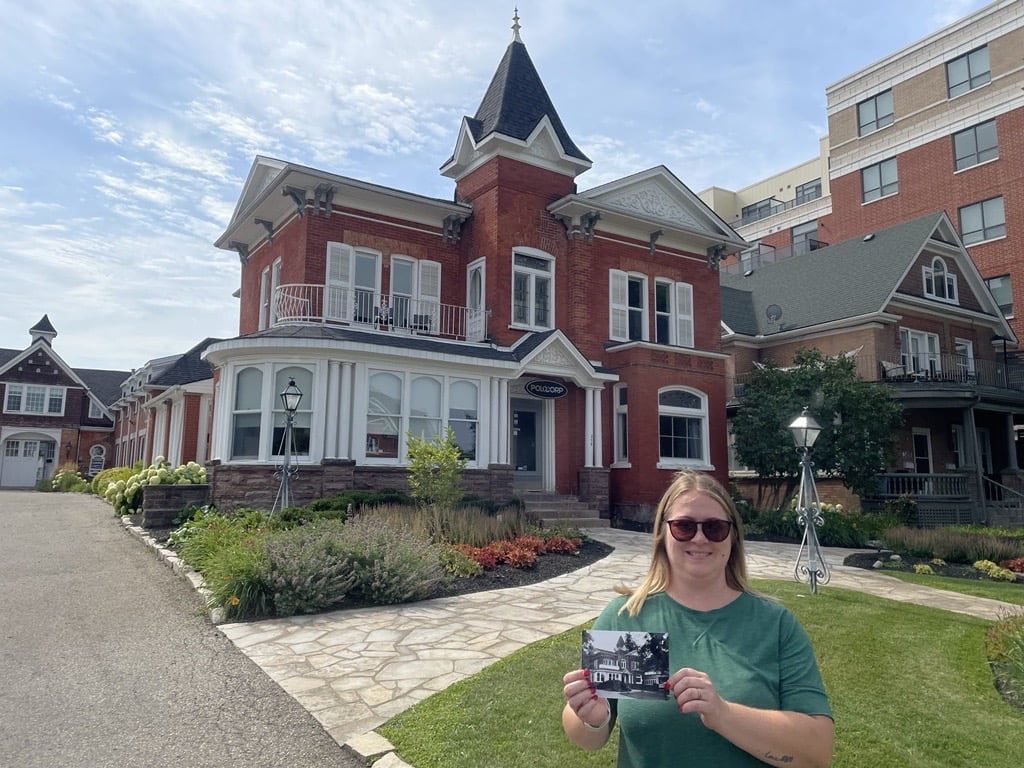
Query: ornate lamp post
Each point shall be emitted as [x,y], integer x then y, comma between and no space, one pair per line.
[290,398]
[805,431]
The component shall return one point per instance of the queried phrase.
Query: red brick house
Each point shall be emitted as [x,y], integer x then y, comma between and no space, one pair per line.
[165,409]
[570,339]
[52,414]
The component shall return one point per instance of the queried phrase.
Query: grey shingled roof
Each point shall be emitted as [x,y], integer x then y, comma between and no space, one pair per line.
[849,279]
[516,101]
[187,368]
[105,385]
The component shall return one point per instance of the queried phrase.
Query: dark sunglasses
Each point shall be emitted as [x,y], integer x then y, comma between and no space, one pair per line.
[714,530]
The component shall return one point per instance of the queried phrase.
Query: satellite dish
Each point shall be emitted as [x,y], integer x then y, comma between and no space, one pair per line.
[773,312]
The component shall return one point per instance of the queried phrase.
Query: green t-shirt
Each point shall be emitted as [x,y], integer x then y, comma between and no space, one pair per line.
[755,652]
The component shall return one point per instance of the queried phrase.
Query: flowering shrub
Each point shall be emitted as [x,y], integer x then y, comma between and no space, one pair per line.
[994,571]
[306,569]
[459,563]
[126,495]
[924,568]
[903,508]
[560,545]
[68,478]
[1016,564]
[517,557]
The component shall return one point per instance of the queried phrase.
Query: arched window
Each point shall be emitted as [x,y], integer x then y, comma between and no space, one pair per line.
[682,428]
[939,282]
[303,416]
[247,414]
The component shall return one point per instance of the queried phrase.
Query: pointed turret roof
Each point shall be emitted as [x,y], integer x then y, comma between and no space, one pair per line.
[516,101]
[43,330]
[517,118]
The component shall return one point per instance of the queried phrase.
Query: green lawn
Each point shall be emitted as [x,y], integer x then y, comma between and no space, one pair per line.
[909,686]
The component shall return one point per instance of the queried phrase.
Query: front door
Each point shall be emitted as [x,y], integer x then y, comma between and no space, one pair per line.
[527,442]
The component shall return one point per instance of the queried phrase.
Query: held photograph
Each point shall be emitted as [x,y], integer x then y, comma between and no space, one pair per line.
[626,665]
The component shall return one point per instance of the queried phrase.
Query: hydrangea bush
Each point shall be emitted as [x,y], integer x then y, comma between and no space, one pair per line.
[126,495]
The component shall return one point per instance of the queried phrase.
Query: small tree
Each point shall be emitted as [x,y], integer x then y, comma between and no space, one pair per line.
[435,469]
[857,417]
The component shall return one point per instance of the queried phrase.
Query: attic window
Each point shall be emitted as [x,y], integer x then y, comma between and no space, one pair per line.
[939,283]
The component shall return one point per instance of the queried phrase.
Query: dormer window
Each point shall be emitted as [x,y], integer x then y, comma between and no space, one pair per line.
[940,283]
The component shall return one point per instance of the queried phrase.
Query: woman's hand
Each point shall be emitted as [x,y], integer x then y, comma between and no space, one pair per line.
[582,698]
[694,692]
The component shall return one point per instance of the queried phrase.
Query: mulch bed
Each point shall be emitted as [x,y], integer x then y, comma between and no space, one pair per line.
[867,560]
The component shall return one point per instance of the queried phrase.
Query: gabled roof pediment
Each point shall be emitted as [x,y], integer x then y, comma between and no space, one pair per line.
[652,201]
[552,354]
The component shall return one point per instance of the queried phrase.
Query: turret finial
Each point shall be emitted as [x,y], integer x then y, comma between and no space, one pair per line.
[516,27]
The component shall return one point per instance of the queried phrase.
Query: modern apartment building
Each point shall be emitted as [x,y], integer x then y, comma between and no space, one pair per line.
[935,126]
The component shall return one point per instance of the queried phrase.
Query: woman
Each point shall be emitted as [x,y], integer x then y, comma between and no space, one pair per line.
[746,690]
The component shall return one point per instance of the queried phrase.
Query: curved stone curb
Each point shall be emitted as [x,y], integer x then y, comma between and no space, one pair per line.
[177,566]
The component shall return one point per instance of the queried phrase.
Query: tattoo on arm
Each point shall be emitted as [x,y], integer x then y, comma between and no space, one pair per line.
[784,759]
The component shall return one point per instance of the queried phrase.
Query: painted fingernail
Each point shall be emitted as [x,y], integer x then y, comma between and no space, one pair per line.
[586,673]
[594,696]
[666,686]
[593,691]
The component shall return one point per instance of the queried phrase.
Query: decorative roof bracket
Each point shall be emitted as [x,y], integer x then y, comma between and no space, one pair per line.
[267,225]
[323,199]
[715,254]
[654,239]
[587,223]
[298,196]
[567,223]
[243,251]
[451,228]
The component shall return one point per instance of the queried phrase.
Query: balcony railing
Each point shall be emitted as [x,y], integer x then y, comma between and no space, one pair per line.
[762,255]
[764,211]
[368,310]
[935,371]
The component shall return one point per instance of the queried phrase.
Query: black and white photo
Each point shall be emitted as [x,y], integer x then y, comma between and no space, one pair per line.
[630,665]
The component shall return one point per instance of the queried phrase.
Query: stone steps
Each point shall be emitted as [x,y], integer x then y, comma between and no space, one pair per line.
[556,510]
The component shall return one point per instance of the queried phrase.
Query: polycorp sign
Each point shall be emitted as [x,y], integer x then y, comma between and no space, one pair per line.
[546,389]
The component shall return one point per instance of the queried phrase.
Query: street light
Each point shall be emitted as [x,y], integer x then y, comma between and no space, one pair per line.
[290,398]
[805,431]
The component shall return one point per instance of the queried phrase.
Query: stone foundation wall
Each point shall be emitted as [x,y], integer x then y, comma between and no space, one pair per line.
[593,483]
[162,503]
[256,485]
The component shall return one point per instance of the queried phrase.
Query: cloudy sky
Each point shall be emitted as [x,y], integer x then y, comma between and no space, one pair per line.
[127,127]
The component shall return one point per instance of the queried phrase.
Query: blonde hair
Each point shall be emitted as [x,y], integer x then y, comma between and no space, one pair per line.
[657,578]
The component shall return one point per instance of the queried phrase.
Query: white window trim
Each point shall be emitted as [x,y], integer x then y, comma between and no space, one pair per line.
[47,395]
[702,414]
[932,358]
[620,459]
[270,406]
[360,434]
[550,275]
[949,279]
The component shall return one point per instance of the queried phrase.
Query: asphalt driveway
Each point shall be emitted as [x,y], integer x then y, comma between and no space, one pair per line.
[104,660]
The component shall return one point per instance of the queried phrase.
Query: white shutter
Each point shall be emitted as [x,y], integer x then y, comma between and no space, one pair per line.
[684,314]
[428,316]
[618,301]
[338,288]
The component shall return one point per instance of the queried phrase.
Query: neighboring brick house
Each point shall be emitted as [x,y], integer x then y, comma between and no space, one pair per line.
[935,126]
[165,409]
[570,339]
[909,305]
[52,414]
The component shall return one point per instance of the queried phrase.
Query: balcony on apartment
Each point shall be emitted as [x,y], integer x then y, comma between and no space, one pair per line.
[312,304]
[761,255]
[921,373]
[771,206]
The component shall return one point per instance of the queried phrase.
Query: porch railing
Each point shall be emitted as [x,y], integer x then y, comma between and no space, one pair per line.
[369,310]
[937,371]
